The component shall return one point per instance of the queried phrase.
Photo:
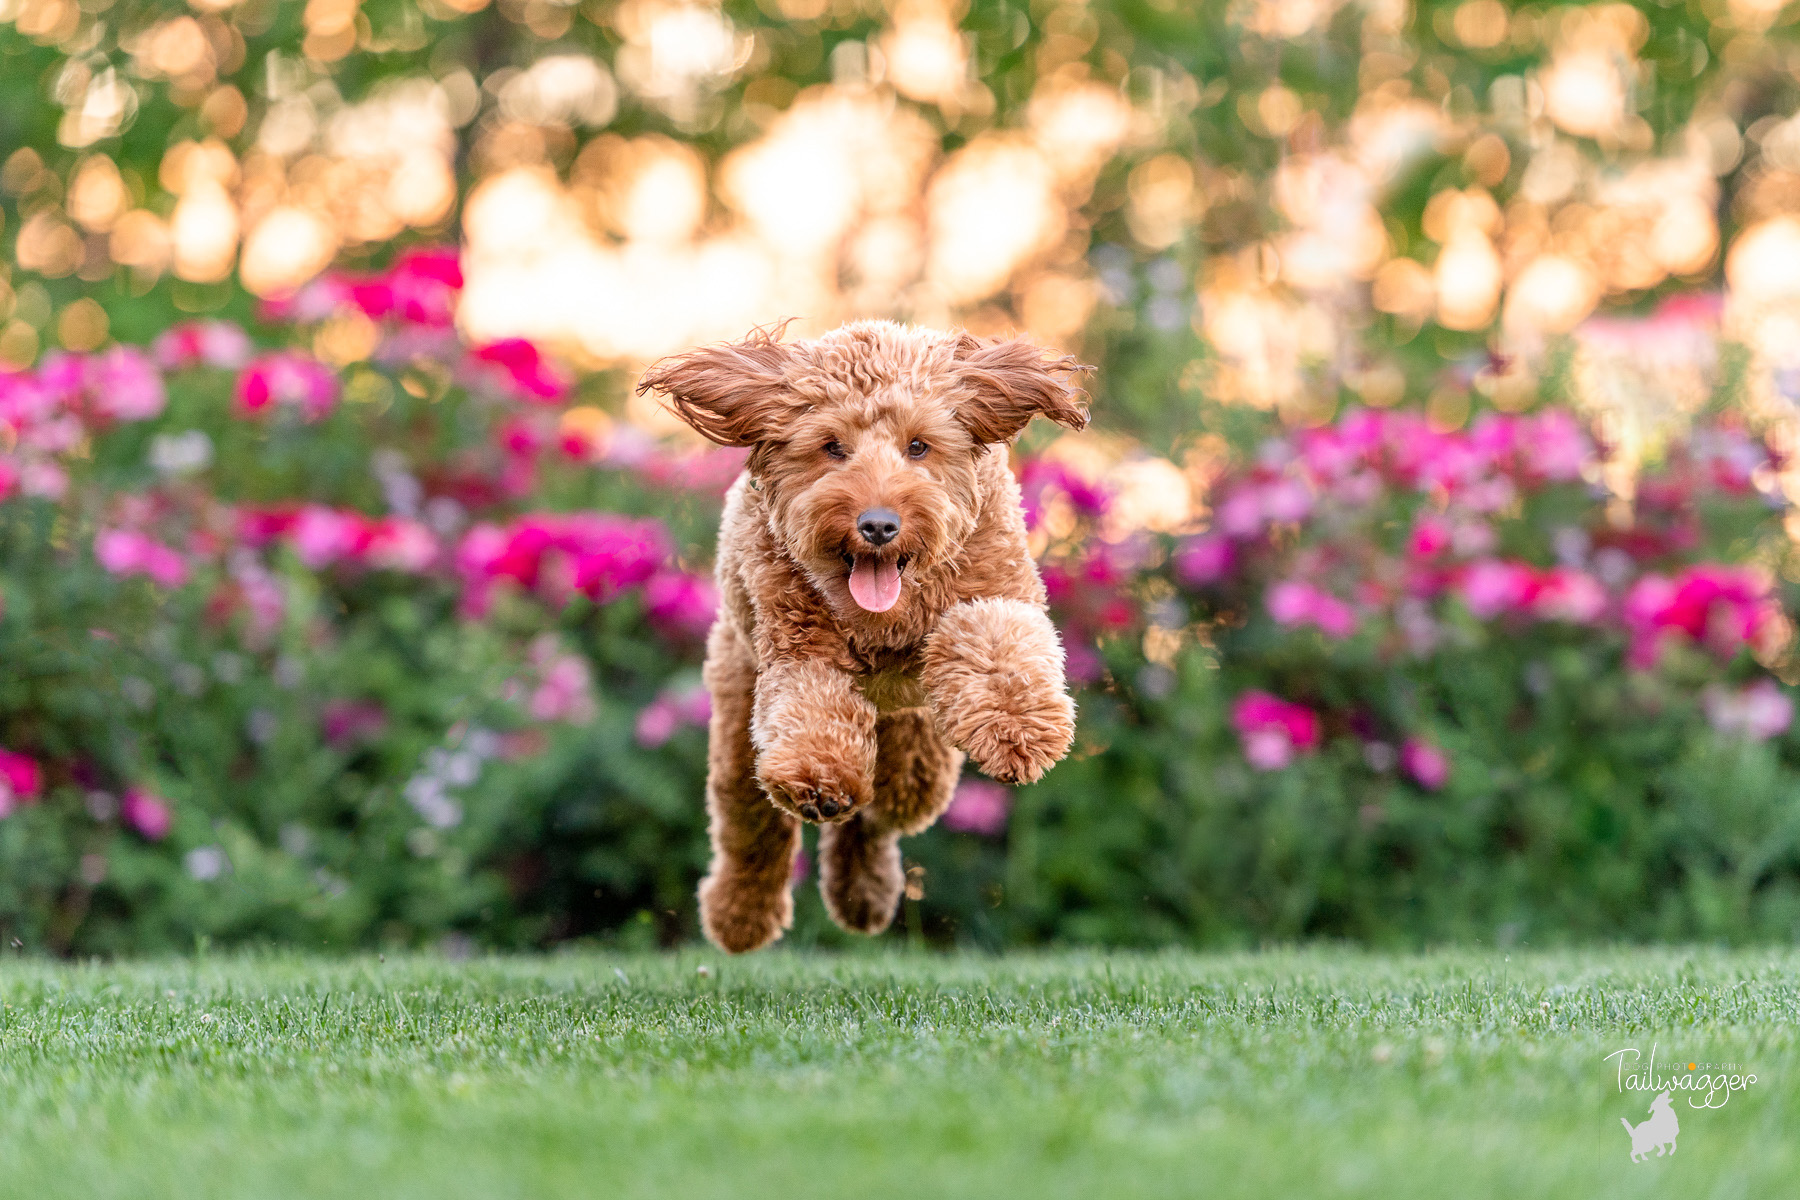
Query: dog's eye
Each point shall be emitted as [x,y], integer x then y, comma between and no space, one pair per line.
[917,449]
[836,450]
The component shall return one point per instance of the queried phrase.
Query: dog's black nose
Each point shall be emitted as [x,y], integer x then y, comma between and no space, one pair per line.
[879,526]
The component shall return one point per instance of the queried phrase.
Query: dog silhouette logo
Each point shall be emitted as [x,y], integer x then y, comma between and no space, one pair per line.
[1658,1133]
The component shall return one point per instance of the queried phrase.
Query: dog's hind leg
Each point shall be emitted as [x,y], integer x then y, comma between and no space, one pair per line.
[744,899]
[859,859]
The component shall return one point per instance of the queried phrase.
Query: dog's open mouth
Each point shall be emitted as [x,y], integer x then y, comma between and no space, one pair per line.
[875,582]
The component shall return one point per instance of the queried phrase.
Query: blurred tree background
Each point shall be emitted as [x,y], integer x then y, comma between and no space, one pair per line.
[1254,216]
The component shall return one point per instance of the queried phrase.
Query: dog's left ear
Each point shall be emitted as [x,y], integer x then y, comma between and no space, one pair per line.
[1008,382]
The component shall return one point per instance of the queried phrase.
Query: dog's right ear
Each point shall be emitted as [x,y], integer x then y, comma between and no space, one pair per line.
[731,393]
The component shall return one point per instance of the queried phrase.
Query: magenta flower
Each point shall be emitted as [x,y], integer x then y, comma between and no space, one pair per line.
[1492,587]
[1205,560]
[421,288]
[1040,476]
[680,602]
[123,385]
[194,343]
[656,723]
[1293,604]
[20,781]
[400,544]
[1566,594]
[148,814]
[324,535]
[1272,730]
[1429,766]
[119,384]
[979,806]
[287,378]
[1554,446]
[521,370]
[348,722]
[672,710]
[1431,536]
[1719,606]
[126,552]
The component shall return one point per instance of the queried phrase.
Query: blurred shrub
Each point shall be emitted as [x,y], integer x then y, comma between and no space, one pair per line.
[377,624]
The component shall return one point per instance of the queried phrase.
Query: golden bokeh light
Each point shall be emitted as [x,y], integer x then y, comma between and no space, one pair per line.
[286,248]
[1467,277]
[991,209]
[82,326]
[204,232]
[97,194]
[924,52]
[1553,294]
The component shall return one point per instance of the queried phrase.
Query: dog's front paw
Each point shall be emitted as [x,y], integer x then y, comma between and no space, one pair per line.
[994,672]
[813,788]
[1018,738]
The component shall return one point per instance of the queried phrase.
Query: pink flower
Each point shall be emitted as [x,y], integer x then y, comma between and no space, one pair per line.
[1566,594]
[313,302]
[1554,446]
[123,385]
[1431,536]
[20,781]
[1205,560]
[1272,730]
[522,370]
[119,384]
[671,711]
[1429,766]
[146,813]
[421,288]
[1241,514]
[400,544]
[979,806]
[126,552]
[323,535]
[565,688]
[1719,606]
[191,343]
[39,477]
[1294,604]
[1492,587]
[287,377]
[347,722]
[1087,498]
[681,603]
[1756,714]
[656,723]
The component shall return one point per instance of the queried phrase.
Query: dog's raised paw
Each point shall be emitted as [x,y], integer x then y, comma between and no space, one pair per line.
[816,799]
[1018,747]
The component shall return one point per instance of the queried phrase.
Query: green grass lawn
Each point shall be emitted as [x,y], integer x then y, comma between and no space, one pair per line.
[1292,1074]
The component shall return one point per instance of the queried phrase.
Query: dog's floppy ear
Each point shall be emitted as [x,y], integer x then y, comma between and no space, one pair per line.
[730,393]
[1008,382]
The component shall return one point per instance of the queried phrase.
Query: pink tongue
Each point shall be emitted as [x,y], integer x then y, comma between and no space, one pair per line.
[875,585]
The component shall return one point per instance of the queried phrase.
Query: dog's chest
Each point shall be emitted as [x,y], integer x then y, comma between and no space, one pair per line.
[890,680]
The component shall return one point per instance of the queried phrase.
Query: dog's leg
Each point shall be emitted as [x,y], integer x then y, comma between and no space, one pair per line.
[744,899]
[859,860]
[994,672]
[815,739]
